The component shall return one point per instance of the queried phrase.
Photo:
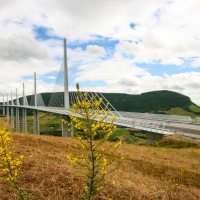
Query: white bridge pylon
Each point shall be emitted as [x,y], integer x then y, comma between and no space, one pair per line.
[37,104]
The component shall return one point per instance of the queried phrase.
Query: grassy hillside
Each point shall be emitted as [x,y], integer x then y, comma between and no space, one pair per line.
[146,172]
[155,102]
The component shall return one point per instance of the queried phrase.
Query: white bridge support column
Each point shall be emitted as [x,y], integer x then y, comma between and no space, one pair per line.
[3,106]
[17,114]
[12,119]
[67,130]
[7,110]
[24,118]
[36,122]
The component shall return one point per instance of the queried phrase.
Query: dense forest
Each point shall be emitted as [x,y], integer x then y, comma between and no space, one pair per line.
[149,102]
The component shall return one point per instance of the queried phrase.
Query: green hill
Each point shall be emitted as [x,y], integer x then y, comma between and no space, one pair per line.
[162,102]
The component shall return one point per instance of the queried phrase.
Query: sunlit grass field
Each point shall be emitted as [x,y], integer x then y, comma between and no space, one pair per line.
[147,172]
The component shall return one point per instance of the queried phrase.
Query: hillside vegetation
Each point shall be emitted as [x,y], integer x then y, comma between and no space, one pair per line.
[147,172]
[162,102]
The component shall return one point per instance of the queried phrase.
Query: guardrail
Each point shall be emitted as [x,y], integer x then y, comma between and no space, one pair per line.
[196,120]
[146,126]
[160,117]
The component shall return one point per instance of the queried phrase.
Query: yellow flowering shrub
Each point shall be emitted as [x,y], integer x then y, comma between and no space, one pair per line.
[9,166]
[93,121]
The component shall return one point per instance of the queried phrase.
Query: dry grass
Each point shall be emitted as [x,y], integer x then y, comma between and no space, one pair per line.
[146,173]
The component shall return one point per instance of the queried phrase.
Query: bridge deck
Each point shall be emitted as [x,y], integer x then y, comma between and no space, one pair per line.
[156,127]
[140,121]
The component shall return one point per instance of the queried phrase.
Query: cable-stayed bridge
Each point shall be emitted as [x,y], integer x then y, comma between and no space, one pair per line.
[62,98]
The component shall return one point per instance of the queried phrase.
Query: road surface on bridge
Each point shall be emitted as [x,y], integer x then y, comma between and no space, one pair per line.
[191,130]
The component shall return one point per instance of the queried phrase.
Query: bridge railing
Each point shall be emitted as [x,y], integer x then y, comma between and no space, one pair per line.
[159,117]
[197,120]
[146,126]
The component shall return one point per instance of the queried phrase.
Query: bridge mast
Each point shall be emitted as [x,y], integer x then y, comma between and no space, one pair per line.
[65,127]
[12,114]
[24,118]
[66,84]
[17,113]
[36,125]
[3,105]
[35,89]
[8,114]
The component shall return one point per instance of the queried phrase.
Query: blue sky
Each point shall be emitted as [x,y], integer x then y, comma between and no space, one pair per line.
[120,46]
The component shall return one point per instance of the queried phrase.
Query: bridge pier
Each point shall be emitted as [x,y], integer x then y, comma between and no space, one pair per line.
[17,114]
[67,130]
[24,120]
[36,123]
[17,120]
[3,106]
[153,137]
[4,110]
[8,114]
[24,114]
[12,119]
[7,110]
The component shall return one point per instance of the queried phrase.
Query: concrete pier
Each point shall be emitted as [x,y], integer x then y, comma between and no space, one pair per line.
[12,119]
[7,110]
[67,130]
[17,114]
[24,114]
[4,112]
[24,120]
[17,120]
[36,126]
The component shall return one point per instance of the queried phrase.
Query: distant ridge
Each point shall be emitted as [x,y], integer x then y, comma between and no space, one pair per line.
[149,101]
[162,102]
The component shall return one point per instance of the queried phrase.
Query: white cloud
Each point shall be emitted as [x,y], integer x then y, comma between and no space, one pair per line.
[21,48]
[51,77]
[111,69]
[195,63]
[96,50]
[165,31]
